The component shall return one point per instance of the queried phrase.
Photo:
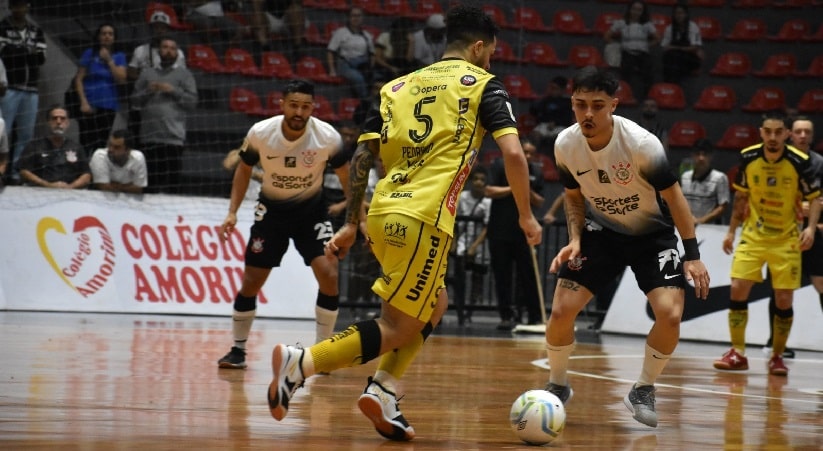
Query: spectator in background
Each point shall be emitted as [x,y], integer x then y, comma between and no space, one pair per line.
[706,189]
[557,205]
[470,252]
[55,161]
[23,51]
[208,16]
[285,19]
[333,193]
[101,69]
[552,112]
[430,42]
[394,50]
[508,247]
[650,120]
[682,46]
[350,53]
[636,34]
[118,167]
[4,152]
[165,95]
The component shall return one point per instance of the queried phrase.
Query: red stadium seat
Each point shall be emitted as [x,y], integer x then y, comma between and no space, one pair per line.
[240,61]
[738,136]
[246,101]
[530,19]
[519,87]
[624,94]
[686,133]
[732,64]
[815,69]
[273,103]
[314,36]
[707,3]
[547,168]
[503,52]
[313,69]
[791,4]
[569,21]
[526,122]
[668,96]
[751,4]
[368,6]
[716,98]
[542,54]
[662,2]
[336,5]
[585,55]
[710,28]
[766,99]
[778,66]
[323,109]
[792,30]
[396,8]
[817,36]
[604,21]
[425,8]
[346,107]
[203,57]
[811,102]
[275,64]
[749,29]
[497,15]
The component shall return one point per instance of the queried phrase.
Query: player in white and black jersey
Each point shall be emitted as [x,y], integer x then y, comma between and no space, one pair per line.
[622,203]
[293,150]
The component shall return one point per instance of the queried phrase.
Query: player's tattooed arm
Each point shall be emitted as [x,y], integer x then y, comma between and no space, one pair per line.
[739,208]
[575,208]
[361,164]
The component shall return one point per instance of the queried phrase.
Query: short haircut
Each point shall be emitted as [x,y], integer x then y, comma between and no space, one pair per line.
[299,85]
[467,24]
[592,79]
[56,106]
[703,145]
[777,115]
[122,133]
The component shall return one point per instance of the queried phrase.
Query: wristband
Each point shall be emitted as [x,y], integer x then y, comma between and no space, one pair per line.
[692,251]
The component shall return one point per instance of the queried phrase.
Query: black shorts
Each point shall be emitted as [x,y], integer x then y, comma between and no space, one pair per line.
[653,258]
[276,223]
[813,258]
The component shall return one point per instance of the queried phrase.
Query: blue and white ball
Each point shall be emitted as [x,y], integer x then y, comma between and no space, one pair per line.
[537,417]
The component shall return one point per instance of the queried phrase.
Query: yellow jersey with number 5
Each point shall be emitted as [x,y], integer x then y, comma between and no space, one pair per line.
[430,126]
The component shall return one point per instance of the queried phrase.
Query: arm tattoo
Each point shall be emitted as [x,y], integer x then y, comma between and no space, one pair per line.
[361,164]
[575,216]
[739,207]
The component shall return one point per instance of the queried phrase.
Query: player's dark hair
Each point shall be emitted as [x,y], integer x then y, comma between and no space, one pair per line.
[122,133]
[777,115]
[592,79]
[299,85]
[466,24]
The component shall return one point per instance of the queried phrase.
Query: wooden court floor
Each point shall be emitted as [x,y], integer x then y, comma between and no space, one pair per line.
[75,381]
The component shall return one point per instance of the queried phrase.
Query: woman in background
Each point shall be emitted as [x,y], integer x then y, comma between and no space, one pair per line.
[682,46]
[101,69]
[636,34]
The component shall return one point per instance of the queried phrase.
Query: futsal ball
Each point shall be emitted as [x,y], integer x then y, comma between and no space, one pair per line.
[537,417]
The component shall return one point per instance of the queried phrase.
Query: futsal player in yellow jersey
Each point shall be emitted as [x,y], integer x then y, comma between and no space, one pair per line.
[428,133]
[773,177]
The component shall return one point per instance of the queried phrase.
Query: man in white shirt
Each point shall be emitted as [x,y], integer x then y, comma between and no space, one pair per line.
[118,167]
[430,42]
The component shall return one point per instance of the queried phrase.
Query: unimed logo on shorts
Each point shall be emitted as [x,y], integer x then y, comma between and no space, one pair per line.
[426,272]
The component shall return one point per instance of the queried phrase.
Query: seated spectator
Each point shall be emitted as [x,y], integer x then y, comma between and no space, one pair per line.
[636,34]
[119,167]
[394,50]
[705,188]
[650,120]
[55,161]
[282,18]
[430,42]
[682,46]
[208,17]
[165,96]
[553,112]
[100,70]
[350,53]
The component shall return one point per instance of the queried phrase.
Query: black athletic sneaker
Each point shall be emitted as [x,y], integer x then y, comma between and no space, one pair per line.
[640,402]
[380,406]
[563,392]
[235,359]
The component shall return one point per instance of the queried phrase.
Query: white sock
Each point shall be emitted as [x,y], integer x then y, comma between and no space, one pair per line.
[241,326]
[653,364]
[324,323]
[559,363]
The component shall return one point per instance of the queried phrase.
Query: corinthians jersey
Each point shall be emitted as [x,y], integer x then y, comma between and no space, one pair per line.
[773,191]
[620,182]
[292,170]
[430,126]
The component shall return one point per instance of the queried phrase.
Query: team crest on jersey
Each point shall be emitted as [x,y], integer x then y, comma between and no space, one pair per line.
[257,245]
[71,156]
[468,80]
[309,157]
[622,173]
[576,264]
[603,176]
[397,87]
[290,162]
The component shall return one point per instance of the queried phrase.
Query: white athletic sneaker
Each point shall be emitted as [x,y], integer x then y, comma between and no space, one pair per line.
[380,406]
[288,377]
